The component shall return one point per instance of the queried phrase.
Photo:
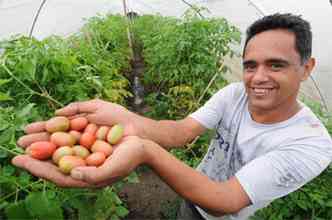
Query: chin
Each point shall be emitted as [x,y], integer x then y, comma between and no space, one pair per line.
[261,105]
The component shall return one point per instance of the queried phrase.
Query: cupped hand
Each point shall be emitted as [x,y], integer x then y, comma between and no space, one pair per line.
[96,111]
[127,155]
[48,171]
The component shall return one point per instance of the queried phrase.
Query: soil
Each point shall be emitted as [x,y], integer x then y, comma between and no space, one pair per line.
[150,199]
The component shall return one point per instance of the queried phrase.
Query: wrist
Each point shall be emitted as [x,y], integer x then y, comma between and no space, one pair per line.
[150,149]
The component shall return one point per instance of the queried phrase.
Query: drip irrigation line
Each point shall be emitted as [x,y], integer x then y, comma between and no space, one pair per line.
[36,17]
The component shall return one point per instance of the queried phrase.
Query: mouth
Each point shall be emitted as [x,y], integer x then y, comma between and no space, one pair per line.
[261,92]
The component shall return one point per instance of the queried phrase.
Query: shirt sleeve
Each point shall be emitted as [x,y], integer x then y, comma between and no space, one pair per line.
[214,109]
[283,171]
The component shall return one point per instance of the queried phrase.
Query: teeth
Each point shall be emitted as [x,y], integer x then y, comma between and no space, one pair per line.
[261,91]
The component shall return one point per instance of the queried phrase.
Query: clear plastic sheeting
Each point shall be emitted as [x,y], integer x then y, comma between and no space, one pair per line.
[64,17]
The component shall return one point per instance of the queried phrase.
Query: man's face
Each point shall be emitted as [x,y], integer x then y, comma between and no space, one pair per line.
[272,71]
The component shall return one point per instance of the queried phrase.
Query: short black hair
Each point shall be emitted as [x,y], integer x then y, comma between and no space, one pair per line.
[293,23]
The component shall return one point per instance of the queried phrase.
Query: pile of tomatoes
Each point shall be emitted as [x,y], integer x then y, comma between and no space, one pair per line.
[75,142]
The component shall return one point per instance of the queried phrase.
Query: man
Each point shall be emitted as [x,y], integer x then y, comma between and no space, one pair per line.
[267,143]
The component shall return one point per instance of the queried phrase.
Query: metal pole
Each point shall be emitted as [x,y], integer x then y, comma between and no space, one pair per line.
[125,11]
[36,18]
[259,8]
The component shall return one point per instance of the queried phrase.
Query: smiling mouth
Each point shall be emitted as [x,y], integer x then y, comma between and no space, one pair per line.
[261,92]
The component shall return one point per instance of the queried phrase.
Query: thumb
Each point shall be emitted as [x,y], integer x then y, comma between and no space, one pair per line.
[94,118]
[92,175]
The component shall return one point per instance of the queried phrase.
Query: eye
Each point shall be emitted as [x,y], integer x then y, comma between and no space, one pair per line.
[276,66]
[249,67]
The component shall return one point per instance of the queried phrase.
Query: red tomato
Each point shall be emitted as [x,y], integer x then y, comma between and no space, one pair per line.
[60,152]
[41,150]
[87,140]
[57,124]
[78,124]
[63,139]
[102,132]
[102,146]
[91,128]
[68,162]
[76,134]
[81,151]
[95,159]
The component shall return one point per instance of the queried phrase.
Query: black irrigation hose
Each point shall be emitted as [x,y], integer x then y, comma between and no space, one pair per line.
[36,18]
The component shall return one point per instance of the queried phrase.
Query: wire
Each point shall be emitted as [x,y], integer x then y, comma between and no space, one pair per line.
[36,18]
[320,93]
[194,8]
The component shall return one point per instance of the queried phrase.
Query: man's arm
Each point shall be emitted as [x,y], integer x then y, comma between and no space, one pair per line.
[217,198]
[168,133]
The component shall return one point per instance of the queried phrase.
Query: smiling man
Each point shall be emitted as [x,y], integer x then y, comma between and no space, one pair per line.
[267,143]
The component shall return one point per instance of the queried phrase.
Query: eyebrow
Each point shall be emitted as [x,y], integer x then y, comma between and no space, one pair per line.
[273,60]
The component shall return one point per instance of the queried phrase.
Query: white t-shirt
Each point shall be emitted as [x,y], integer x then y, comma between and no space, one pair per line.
[269,160]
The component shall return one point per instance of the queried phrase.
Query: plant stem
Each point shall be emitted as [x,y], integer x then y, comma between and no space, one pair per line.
[10,151]
[210,83]
[10,194]
[31,90]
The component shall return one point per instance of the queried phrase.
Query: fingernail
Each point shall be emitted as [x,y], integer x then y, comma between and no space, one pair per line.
[77,174]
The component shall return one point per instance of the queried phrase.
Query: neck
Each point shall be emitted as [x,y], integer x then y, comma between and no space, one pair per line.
[270,116]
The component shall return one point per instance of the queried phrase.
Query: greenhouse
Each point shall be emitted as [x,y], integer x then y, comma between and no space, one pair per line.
[154,109]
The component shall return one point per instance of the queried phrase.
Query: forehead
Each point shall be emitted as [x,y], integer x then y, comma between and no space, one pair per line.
[272,44]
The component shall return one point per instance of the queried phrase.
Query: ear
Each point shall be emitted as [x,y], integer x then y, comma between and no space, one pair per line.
[308,67]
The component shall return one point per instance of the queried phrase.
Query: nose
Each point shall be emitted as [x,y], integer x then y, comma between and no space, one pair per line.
[260,75]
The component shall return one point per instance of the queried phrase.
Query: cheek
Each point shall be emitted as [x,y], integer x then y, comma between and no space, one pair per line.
[246,77]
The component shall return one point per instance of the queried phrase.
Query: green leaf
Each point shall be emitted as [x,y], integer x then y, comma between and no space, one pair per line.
[17,211]
[4,97]
[86,212]
[26,110]
[24,178]
[40,207]
[8,170]
[329,204]
[3,205]
[121,211]
[133,178]
[115,217]
[4,81]
[6,136]
[3,154]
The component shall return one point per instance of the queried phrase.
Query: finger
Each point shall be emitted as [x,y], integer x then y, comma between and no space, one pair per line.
[94,175]
[94,118]
[88,174]
[77,116]
[28,139]
[46,171]
[77,108]
[35,127]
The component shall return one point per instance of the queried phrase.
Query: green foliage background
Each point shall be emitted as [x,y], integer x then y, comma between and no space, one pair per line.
[37,77]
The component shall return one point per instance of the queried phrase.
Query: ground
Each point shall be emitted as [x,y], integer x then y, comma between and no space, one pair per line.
[150,199]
